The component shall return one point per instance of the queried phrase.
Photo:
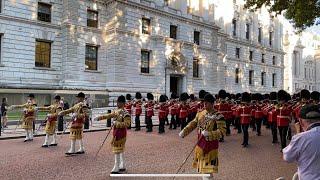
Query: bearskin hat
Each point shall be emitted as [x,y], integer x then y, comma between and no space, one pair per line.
[57,97]
[173,96]
[209,98]
[305,94]
[184,96]
[162,98]
[138,95]
[288,97]
[273,96]
[149,96]
[266,96]
[238,95]
[259,97]
[121,99]
[192,97]
[245,97]
[254,97]
[202,93]
[128,96]
[222,94]
[282,95]
[315,95]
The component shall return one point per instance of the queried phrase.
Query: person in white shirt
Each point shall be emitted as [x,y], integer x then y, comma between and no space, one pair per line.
[304,148]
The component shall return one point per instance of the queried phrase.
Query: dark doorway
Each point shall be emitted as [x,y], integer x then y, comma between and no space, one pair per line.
[174,85]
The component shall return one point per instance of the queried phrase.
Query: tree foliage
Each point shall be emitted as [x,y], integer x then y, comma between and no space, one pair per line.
[302,13]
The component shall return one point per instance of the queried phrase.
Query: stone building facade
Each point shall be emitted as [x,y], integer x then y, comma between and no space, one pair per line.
[111,47]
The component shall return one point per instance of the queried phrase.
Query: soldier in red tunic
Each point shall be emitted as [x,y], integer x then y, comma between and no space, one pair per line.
[193,108]
[149,112]
[173,109]
[128,106]
[258,114]
[315,96]
[283,117]
[183,109]
[272,117]
[245,117]
[138,110]
[162,110]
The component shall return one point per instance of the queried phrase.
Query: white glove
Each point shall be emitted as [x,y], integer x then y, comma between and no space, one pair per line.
[205,133]
[74,115]
[181,134]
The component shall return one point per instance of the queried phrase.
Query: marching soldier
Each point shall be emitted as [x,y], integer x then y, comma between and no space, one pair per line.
[128,106]
[29,116]
[149,112]
[51,121]
[121,121]
[183,109]
[162,110]
[245,117]
[80,113]
[258,114]
[224,108]
[138,110]
[211,127]
[272,117]
[173,112]
[315,97]
[283,117]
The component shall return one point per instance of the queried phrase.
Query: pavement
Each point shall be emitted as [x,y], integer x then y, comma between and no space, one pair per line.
[145,153]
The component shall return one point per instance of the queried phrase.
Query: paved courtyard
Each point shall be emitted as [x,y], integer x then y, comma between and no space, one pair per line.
[145,153]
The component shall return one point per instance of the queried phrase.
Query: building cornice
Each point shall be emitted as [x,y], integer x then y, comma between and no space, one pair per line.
[247,43]
[168,14]
[255,63]
[28,21]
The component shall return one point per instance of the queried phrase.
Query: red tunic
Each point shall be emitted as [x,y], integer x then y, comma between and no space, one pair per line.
[225,109]
[138,109]
[283,118]
[258,114]
[149,108]
[162,111]
[245,116]
[128,107]
[183,111]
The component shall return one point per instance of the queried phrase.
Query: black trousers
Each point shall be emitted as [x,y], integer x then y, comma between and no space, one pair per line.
[161,125]
[274,132]
[237,124]
[245,128]
[183,122]
[137,122]
[258,124]
[178,121]
[283,130]
[173,122]
[228,124]
[253,124]
[167,120]
[149,124]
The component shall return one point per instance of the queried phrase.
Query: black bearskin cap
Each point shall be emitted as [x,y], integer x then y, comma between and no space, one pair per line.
[121,99]
[128,96]
[138,95]
[245,97]
[209,98]
[184,96]
[305,94]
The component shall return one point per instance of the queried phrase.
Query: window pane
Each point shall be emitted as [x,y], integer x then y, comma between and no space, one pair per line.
[43,53]
[92,18]
[196,37]
[237,75]
[44,12]
[173,32]
[91,57]
[145,26]
[145,59]
[195,67]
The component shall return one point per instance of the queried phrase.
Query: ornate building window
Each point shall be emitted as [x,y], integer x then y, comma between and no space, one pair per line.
[196,37]
[146,26]
[270,38]
[92,18]
[91,62]
[263,76]
[274,76]
[44,12]
[251,55]
[238,53]
[262,58]
[260,34]
[247,31]
[195,67]
[234,27]
[274,60]
[173,31]
[43,53]
[145,61]
[237,76]
[251,74]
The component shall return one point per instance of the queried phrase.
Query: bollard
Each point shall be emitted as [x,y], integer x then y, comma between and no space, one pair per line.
[109,120]
[86,123]
[60,123]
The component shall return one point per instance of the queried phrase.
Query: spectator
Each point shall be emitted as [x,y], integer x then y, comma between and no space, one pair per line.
[4,116]
[304,147]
